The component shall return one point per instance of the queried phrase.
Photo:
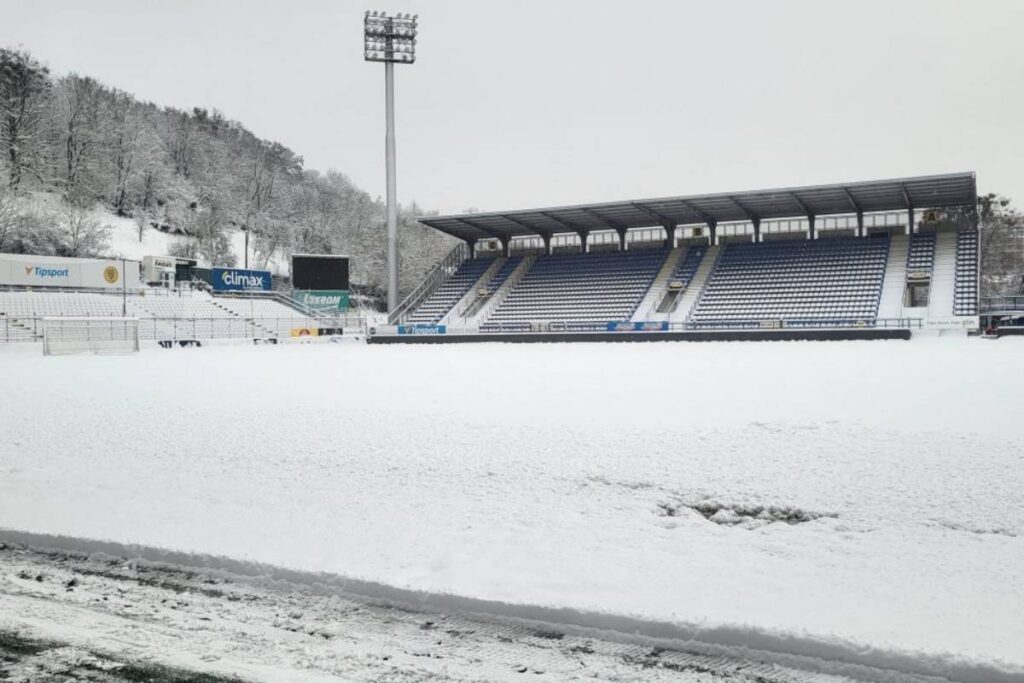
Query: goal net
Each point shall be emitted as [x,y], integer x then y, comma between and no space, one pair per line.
[68,335]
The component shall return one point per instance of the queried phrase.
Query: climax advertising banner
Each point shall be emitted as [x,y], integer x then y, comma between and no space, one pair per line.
[239,280]
[324,299]
[53,271]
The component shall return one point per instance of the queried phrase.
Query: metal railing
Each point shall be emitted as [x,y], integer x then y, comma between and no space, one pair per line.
[656,326]
[30,329]
[441,272]
[505,288]
[278,297]
[1010,302]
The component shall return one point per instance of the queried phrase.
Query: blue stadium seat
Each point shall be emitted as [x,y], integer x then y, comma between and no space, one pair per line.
[921,254]
[836,281]
[436,306]
[583,291]
[965,282]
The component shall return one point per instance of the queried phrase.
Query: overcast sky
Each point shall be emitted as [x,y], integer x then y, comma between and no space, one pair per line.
[519,103]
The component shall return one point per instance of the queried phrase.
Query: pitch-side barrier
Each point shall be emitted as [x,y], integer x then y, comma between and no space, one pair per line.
[197,329]
[659,330]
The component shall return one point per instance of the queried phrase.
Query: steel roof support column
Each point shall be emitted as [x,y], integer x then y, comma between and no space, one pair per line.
[812,233]
[622,238]
[757,228]
[861,232]
[583,240]
[910,209]
[670,235]
[547,243]
[505,242]
[712,232]
[472,248]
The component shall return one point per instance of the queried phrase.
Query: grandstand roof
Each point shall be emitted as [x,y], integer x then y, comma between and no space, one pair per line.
[922,192]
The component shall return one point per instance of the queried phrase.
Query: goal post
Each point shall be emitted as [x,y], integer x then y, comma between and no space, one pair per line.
[68,335]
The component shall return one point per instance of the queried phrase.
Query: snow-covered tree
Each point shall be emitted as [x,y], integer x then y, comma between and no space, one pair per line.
[24,84]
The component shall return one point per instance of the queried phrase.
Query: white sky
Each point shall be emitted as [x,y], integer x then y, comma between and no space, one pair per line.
[534,102]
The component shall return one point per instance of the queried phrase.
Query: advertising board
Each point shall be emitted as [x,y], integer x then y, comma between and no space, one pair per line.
[239,280]
[55,271]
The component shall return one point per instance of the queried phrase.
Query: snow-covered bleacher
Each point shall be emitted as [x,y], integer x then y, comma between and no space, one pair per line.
[24,304]
[965,291]
[163,314]
[829,281]
[579,290]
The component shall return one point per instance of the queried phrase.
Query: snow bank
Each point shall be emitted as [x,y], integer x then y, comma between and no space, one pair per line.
[542,475]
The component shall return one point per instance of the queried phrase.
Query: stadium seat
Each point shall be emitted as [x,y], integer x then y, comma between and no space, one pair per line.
[965,283]
[921,254]
[440,301]
[581,291]
[832,282]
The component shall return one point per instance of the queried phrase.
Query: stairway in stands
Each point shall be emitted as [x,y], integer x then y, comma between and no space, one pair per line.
[895,283]
[693,290]
[649,304]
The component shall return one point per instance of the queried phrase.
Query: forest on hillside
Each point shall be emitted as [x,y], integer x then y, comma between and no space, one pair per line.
[200,175]
[193,173]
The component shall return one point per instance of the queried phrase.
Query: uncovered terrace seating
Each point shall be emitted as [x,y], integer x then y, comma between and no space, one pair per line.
[41,304]
[582,291]
[965,283]
[836,281]
[441,300]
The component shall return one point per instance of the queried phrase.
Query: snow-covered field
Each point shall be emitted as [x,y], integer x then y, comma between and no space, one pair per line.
[859,501]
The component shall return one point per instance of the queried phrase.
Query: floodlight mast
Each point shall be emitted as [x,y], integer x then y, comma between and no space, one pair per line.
[390,39]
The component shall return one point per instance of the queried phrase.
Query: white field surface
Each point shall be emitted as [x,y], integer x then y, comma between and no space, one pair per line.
[558,476]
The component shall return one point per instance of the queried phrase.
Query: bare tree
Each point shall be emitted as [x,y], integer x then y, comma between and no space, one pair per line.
[8,218]
[82,233]
[123,141]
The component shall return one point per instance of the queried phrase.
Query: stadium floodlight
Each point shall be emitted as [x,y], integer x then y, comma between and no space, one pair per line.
[390,39]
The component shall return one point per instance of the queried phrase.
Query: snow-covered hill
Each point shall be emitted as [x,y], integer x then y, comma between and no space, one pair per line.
[124,239]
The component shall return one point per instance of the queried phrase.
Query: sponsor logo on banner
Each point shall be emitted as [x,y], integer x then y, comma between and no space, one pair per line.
[965,322]
[57,271]
[648,326]
[47,273]
[234,279]
[305,332]
[422,329]
[324,299]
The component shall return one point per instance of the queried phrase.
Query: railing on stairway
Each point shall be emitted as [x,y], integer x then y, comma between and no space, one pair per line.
[506,287]
[441,272]
[471,297]
[707,279]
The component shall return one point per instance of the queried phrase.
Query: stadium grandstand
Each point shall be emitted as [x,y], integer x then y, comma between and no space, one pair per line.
[876,259]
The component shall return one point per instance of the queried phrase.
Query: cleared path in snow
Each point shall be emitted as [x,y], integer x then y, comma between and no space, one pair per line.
[97,615]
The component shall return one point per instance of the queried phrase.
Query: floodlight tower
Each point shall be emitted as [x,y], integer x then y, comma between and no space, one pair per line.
[390,39]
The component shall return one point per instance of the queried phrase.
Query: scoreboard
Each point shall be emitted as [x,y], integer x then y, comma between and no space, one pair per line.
[321,280]
[319,272]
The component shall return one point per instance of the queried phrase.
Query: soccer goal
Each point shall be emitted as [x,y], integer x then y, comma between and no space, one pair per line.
[69,335]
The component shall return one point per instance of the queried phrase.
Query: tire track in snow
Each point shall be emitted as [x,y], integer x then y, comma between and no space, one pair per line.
[209,621]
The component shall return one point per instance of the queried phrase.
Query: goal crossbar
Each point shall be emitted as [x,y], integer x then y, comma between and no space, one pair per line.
[91,334]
